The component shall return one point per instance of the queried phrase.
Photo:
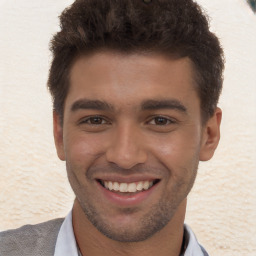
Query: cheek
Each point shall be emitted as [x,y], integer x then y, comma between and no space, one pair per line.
[178,145]
[178,149]
[82,149]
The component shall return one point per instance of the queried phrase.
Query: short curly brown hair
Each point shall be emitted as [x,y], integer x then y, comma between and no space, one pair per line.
[175,28]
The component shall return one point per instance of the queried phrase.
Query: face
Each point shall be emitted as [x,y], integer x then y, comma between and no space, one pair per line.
[132,138]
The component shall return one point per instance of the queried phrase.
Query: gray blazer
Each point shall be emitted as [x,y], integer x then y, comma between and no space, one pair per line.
[31,240]
[34,240]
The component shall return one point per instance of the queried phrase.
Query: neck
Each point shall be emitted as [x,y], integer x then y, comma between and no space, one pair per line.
[166,242]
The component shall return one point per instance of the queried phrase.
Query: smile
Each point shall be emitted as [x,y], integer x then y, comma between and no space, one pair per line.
[128,187]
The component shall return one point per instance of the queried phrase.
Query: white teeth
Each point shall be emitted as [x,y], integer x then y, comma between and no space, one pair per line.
[123,187]
[131,187]
[110,185]
[140,186]
[116,186]
[146,185]
[128,187]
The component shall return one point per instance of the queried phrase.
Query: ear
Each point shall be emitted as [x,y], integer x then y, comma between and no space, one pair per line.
[58,135]
[210,136]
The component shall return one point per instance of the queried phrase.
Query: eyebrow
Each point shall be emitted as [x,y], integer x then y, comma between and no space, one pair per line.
[91,104]
[163,104]
[146,105]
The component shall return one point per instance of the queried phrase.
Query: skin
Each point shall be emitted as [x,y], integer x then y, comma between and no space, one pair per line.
[132,117]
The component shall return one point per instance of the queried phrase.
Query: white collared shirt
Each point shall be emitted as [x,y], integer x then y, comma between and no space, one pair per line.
[66,242]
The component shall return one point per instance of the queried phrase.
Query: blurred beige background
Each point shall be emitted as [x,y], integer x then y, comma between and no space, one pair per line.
[33,183]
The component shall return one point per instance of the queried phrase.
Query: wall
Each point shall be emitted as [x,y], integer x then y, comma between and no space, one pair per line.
[33,184]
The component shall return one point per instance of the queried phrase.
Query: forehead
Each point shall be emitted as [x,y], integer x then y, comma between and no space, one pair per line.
[130,78]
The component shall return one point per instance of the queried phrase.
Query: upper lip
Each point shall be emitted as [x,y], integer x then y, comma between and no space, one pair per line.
[126,179]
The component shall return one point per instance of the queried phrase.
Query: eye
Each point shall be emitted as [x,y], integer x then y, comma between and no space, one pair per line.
[160,120]
[94,120]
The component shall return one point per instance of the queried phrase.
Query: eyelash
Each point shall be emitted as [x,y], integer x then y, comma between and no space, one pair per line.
[89,119]
[167,121]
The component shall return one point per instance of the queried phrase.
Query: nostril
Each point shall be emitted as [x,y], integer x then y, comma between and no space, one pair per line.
[126,157]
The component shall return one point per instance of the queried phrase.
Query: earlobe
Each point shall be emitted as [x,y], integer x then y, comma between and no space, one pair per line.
[58,135]
[211,136]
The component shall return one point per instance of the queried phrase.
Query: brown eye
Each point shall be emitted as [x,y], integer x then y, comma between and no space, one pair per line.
[161,121]
[95,120]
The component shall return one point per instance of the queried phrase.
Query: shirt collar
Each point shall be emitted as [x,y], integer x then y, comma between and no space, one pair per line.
[66,242]
[193,248]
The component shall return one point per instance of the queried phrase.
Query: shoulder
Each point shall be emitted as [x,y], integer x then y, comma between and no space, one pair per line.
[30,239]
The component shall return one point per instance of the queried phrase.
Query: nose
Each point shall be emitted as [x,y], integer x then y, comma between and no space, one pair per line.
[126,148]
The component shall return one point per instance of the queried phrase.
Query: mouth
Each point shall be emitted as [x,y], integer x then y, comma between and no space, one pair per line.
[125,188]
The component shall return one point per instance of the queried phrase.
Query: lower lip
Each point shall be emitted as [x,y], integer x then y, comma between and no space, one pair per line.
[127,200]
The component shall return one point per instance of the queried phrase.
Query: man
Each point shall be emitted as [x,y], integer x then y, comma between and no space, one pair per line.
[135,86]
